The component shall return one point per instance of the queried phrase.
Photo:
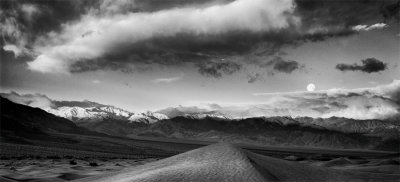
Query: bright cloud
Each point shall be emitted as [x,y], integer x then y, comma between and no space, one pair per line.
[369,27]
[74,43]
[12,48]
[33,100]
[167,80]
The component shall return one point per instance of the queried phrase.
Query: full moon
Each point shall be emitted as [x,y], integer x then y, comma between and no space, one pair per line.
[310,87]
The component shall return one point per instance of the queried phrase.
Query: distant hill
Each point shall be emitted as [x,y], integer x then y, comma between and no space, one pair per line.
[351,125]
[267,131]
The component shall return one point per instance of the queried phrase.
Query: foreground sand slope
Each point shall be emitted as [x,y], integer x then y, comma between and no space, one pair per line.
[224,162]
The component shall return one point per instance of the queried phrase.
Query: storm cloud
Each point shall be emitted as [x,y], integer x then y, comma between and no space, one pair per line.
[60,51]
[75,36]
[369,65]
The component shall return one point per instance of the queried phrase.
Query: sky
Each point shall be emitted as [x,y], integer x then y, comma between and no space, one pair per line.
[149,54]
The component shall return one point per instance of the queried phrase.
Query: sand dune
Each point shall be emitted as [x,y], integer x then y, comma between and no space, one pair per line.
[224,162]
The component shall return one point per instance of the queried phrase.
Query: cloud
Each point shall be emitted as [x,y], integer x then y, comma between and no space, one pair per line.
[254,78]
[378,102]
[60,51]
[332,18]
[368,65]
[11,29]
[96,81]
[33,100]
[23,22]
[280,65]
[167,80]
[391,10]
[217,69]
[123,35]
[12,48]
[44,102]
[84,104]
[30,10]
[370,27]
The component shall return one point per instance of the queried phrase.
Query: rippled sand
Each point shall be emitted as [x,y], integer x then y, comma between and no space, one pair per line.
[60,169]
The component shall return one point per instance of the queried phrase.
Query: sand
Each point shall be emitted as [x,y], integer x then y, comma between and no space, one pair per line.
[224,162]
[55,170]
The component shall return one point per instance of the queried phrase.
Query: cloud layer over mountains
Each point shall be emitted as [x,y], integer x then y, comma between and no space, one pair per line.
[379,102]
[44,102]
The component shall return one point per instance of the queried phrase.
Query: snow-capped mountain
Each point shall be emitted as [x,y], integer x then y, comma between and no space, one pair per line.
[95,114]
[147,117]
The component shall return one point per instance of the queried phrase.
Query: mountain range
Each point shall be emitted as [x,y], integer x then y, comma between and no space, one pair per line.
[334,132]
[115,121]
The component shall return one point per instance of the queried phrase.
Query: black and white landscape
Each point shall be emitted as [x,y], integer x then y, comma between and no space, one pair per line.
[200,90]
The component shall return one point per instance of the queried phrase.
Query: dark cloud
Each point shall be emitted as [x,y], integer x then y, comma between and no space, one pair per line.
[218,69]
[324,19]
[83,104]
[338,105]
[333,13]
[157,5]
[254,78]
[107,65]
[189,48]
[278,64]
[391,11]
[51,15]
[286,66]
[369,65]
[48,16]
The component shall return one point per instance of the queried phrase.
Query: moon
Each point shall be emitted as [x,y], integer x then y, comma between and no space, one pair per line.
[311,87]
